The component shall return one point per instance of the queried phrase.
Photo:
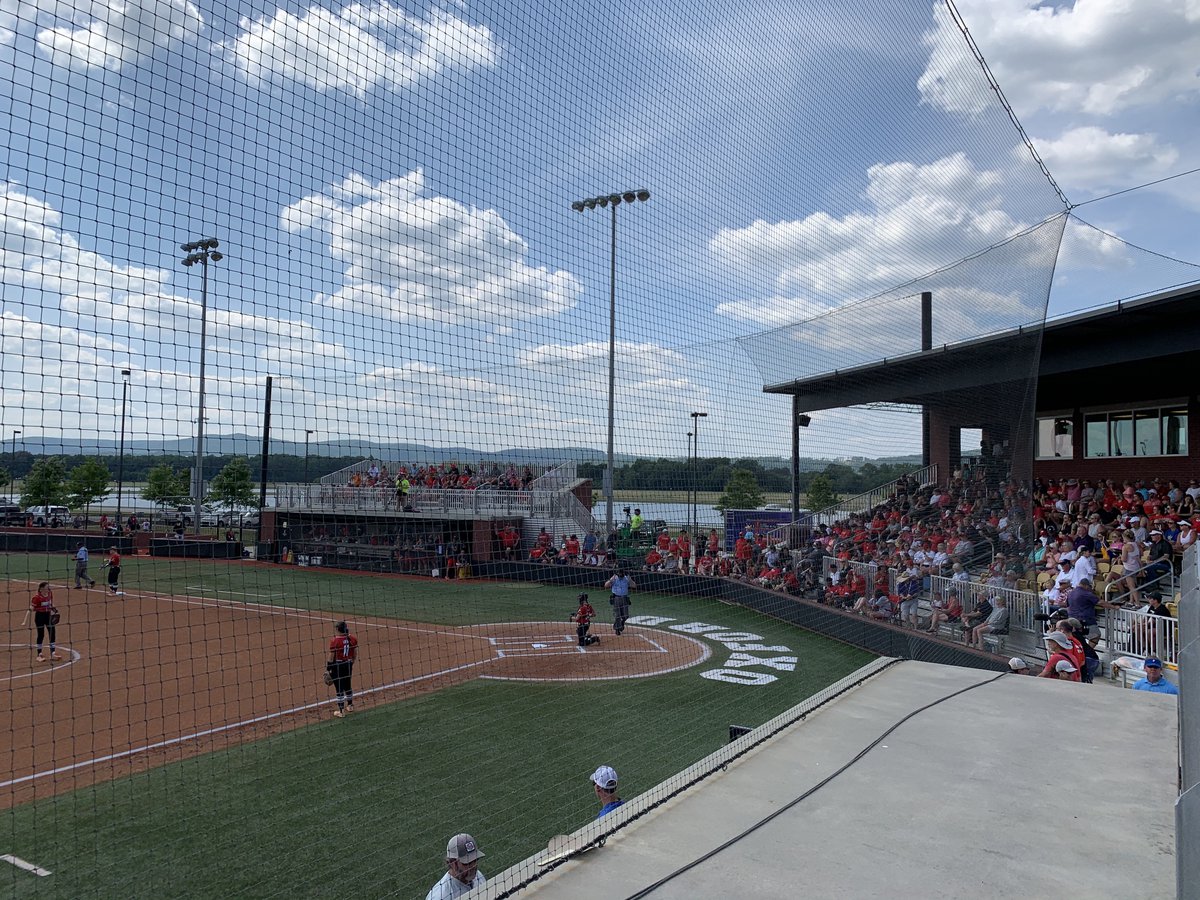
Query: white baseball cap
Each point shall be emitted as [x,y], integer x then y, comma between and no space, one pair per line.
[605,777]
[1063,666]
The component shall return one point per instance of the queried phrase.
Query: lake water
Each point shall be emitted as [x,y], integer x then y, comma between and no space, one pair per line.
[671,513]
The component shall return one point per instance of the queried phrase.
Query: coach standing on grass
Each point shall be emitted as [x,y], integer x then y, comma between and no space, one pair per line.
[462,869]
[343,650]
[620,585]
[81,566]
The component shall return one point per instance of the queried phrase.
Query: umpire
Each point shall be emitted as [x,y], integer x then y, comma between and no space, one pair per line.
[343,650]
[620,585]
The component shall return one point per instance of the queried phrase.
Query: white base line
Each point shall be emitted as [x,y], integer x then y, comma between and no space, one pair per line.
[27,866]
[171,742]
[291,612]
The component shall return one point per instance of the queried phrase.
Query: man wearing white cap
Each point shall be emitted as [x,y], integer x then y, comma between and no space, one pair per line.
[462,869]
[604,781]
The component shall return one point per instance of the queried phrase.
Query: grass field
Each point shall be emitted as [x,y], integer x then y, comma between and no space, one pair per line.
[364,806]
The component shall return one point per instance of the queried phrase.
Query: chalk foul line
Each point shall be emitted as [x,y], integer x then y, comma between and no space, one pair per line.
[26,866]
[207,732]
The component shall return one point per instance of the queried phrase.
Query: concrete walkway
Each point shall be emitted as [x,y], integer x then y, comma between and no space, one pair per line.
[1019,788]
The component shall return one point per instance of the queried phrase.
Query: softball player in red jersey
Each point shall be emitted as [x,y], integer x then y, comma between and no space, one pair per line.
[42,607]
[343,650]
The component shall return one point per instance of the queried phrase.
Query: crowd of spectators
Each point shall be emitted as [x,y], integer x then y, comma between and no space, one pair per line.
[444,476]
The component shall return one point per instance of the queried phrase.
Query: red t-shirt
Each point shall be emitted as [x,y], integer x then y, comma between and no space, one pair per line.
[714,543]
[114,558]
[585,613]
[41,603]
[664,541]
[343,648]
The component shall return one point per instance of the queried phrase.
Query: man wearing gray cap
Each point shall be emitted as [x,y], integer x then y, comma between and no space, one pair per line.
[462,869]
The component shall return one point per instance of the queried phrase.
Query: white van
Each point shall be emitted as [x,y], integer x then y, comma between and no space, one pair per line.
[44,515]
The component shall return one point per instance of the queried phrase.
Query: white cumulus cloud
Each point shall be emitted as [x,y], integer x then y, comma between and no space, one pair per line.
[359,47]
[1092,158]
[110,34]
[1091,56]
[916,218]
[413,256]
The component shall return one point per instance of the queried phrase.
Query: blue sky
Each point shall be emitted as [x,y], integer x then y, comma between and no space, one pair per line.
[391,184]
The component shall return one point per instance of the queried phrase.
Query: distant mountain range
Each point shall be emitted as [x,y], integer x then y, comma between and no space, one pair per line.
[249,445]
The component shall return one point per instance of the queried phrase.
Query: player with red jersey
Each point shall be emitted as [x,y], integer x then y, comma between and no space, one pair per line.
[113,564]
[44,617]
[343,651]
[583,621]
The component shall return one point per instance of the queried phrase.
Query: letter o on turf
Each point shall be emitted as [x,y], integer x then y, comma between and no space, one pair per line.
[737,676]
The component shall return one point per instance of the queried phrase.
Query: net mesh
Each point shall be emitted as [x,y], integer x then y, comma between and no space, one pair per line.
[306,314]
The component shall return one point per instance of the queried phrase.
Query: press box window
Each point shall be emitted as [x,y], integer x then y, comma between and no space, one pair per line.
[1054,438]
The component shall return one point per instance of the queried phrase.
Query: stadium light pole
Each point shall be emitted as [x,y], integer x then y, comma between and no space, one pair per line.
[308,432]
[696,417]
[613,201]
[12,475]
[202,251]
[125,373]
[692,481]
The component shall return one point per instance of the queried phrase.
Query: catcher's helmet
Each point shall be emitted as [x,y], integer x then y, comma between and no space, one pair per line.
[583,598]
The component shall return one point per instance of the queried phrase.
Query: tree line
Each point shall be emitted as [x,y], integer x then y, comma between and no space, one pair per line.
[281,468]
[715,474]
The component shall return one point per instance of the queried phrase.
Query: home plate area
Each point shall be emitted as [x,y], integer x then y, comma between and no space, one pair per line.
[550,651]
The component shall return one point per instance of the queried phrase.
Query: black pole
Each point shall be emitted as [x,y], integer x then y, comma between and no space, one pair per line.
[795,458]
[266,452]
[926,344]
[121,454]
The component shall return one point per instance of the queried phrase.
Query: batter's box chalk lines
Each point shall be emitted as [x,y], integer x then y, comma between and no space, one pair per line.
[533,641]
[25,866]
[221,729]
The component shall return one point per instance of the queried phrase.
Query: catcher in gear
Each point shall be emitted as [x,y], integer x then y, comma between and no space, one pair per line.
[583,621]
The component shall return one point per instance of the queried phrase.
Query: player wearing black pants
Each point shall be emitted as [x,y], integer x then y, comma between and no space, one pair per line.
[42,607]
[583,622]
[620,585]
[343,650]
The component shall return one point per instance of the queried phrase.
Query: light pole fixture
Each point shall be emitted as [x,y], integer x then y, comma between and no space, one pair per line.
[201,251]
[640,195]
[121,456]
[308,432]
[696,417]
[12,475]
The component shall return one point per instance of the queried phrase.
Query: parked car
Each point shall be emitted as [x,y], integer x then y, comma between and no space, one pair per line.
[49,515]
[11,514]
[208,516]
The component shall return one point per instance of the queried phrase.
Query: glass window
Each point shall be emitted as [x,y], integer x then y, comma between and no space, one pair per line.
[1147,433]
[1120,433]
[1054,438]
[1174,432]
[1095,435]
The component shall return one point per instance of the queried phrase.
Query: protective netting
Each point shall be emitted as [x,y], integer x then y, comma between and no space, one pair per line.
[314,314]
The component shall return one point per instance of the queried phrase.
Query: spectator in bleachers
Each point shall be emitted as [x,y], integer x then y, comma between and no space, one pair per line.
[1059,649]
[1159,556]
[879,607]
[1131,561]
[944,610]
[996,623]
